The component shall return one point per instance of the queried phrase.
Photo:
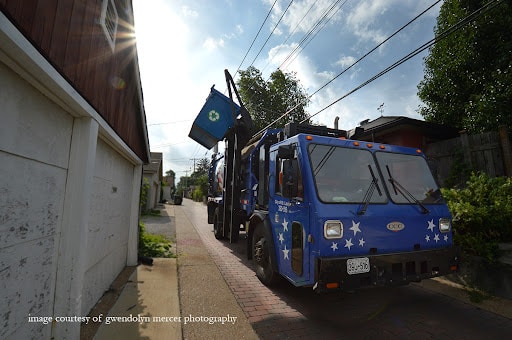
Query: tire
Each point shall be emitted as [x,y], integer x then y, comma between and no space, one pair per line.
[218,225]
[262,257]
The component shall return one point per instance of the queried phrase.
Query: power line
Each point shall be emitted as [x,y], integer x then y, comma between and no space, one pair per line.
[354,63]
[313,29]
[292,32]
[376,47]
[262,24]
[482,10]
[318,31]
[271,33]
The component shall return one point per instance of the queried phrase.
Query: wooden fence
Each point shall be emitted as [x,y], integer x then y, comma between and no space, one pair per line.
[489,152]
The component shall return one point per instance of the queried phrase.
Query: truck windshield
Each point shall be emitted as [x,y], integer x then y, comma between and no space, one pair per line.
[342,175]
[412,174]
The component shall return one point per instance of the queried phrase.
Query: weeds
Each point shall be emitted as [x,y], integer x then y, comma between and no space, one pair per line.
[153,245]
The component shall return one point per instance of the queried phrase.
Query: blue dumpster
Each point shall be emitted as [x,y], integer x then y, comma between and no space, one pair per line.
[214,120]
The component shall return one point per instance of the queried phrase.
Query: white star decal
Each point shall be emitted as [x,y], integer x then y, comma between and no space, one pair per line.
[334,246]
[281,238]
[427,238]
[431,225]
[285,225]
[285,252]
[355,227]
[446,238]
[436,238]
[362,242]
[348,244]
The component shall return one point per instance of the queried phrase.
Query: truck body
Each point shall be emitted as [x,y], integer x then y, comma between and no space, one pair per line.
[331,213]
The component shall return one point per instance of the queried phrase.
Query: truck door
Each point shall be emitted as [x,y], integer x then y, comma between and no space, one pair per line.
[289,215]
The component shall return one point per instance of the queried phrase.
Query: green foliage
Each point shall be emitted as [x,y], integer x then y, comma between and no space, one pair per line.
[201,189]
[482,214]
[266,101]
[468,75]
[153,245]
[459,171]
[170,173]
[144,189]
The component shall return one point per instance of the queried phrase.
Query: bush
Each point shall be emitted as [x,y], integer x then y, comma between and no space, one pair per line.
[201,189]
[197,194]
[153,245]
[482,214]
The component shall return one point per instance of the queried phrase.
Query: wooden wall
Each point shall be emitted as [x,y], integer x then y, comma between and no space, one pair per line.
[69,35]
[488,152]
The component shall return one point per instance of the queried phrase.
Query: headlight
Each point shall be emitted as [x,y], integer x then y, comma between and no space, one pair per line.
[333,229]
[444,225]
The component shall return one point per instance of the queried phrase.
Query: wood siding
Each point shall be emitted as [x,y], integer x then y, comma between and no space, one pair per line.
[69,35]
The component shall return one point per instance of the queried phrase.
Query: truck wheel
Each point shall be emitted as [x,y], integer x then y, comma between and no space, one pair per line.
[217,225]
[261,248]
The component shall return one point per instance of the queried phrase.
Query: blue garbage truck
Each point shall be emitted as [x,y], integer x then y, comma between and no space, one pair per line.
[320,209]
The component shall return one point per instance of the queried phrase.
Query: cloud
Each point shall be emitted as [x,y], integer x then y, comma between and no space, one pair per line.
[188,12]
[364,18]
[345,61]
[211,44]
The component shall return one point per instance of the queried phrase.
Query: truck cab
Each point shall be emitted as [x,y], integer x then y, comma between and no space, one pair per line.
[345,214]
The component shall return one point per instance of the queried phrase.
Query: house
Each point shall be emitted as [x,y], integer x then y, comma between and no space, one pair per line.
[73,141]
[152,174]
[400,130]
[489,152]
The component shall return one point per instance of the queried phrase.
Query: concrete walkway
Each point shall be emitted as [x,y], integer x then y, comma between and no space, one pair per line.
[183,298]
[148,307]
[204,295]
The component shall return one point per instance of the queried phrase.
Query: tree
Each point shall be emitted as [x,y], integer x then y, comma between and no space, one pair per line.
[468,75]
[266,101]
[202,166]
[170,173]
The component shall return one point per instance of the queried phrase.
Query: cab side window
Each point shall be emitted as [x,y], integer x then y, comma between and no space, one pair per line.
[289,179]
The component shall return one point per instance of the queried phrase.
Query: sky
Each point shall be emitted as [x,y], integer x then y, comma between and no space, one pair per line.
[184,47]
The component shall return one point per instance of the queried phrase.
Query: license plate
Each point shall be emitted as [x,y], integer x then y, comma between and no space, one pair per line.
[358,265]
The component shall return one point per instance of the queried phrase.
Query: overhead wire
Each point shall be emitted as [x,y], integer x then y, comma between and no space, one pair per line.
[292,32]
[271,33]
[310,32]
[257,34]
[318,21]
[354,63]
[376,47]
[318,31]
[482,10]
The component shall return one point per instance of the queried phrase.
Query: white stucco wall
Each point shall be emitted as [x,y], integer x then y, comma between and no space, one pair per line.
[108,223]
[153,194]
[35,135]
[69,194]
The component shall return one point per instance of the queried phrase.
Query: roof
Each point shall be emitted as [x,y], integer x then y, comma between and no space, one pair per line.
[387,124]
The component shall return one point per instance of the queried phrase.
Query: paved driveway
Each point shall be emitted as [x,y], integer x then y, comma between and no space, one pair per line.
[287,312]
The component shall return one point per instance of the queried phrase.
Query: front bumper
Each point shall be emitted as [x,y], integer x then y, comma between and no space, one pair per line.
[387,269]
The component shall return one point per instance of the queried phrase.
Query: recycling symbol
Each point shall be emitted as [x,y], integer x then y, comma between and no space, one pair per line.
[213,116]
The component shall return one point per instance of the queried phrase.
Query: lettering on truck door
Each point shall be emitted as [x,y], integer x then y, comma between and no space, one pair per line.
[289,216]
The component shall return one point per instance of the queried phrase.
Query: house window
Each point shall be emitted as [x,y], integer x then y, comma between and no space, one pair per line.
[109,19]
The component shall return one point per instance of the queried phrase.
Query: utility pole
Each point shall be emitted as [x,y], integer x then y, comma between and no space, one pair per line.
[186,182]
[195,159]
